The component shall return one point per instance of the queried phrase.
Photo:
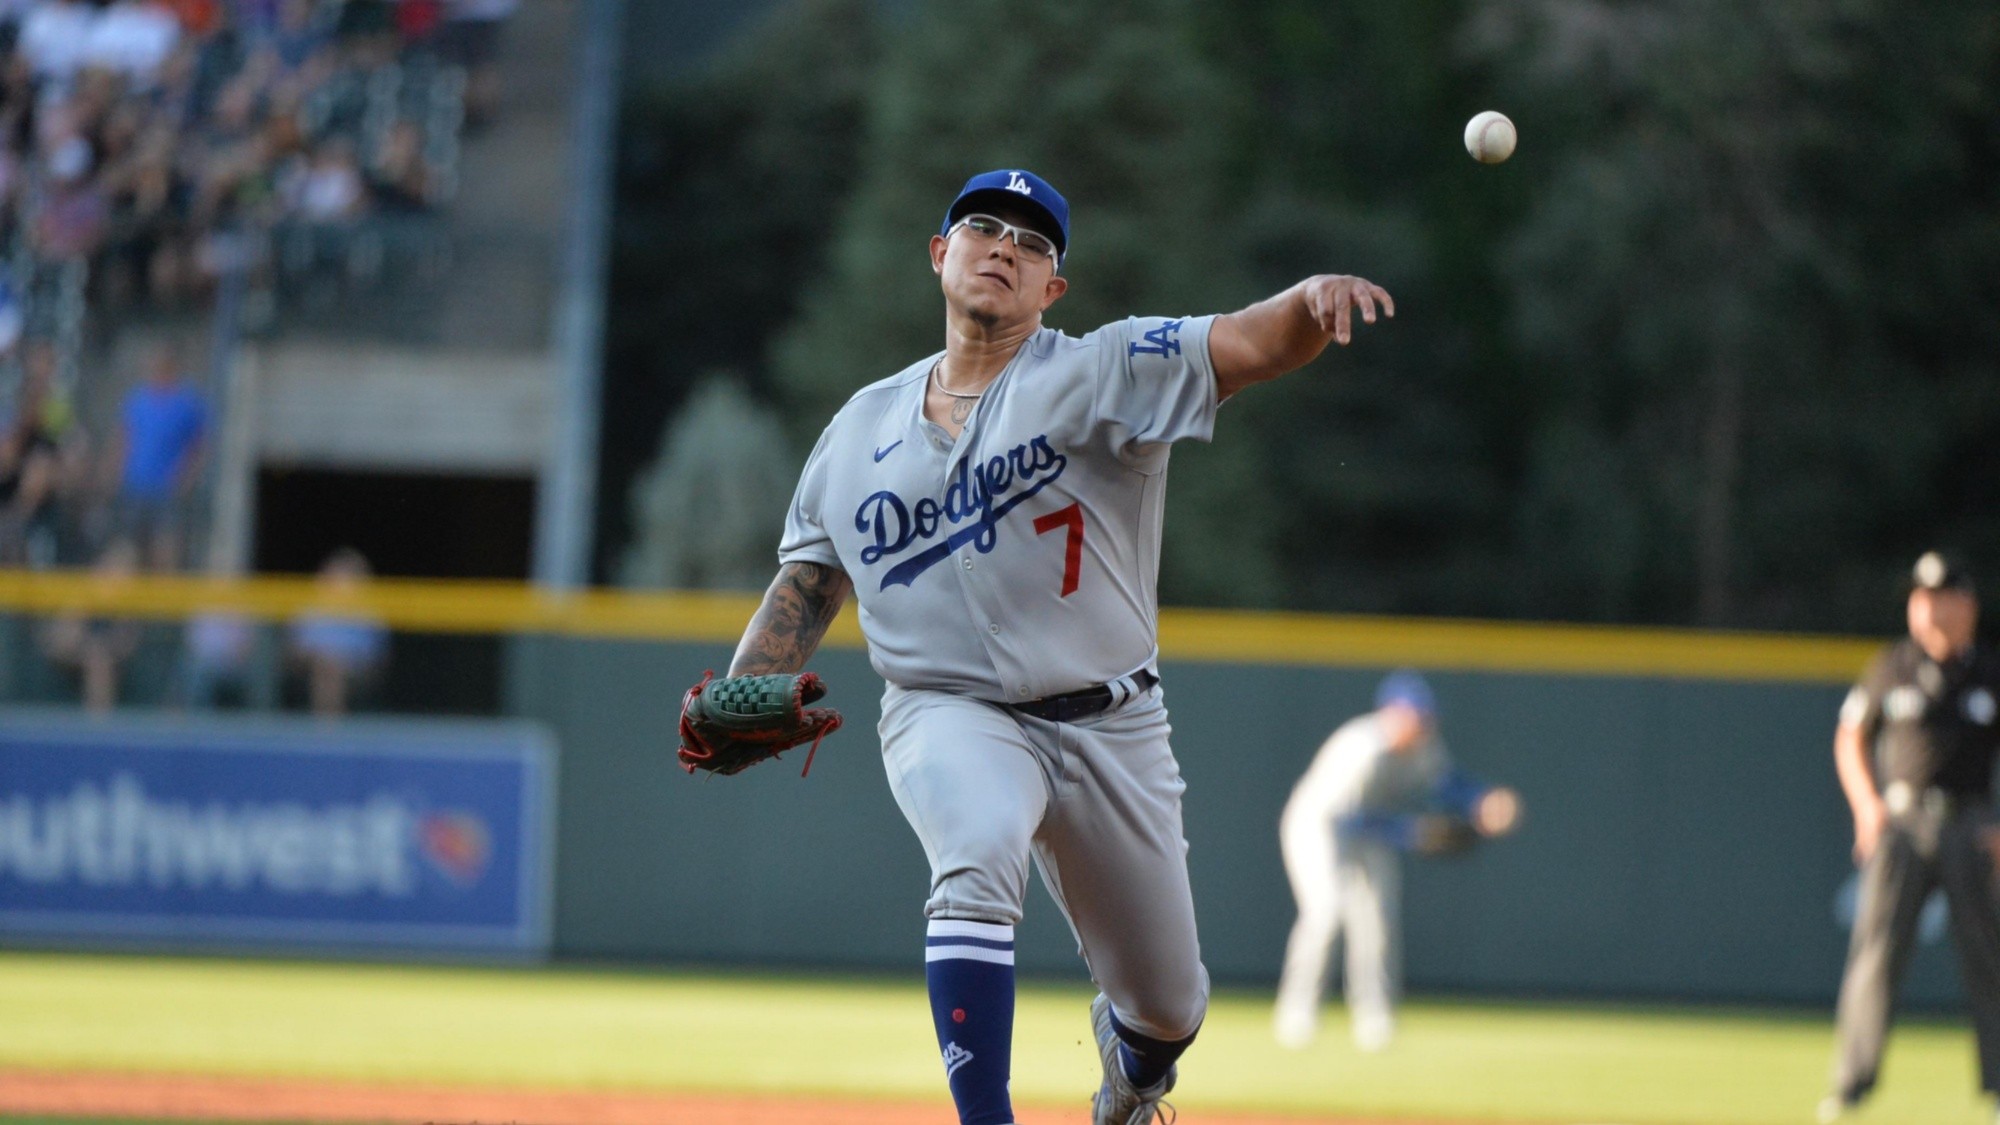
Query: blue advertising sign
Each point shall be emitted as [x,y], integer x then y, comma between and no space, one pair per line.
[399,834]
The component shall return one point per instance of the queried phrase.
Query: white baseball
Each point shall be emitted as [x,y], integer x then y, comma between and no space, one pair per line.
[1489,137]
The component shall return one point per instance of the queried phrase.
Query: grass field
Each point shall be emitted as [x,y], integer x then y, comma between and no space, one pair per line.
[869,1039]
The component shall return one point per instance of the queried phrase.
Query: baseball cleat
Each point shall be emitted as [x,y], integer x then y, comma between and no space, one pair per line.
[1117,1101]
[1372,1034]
[1295,1029]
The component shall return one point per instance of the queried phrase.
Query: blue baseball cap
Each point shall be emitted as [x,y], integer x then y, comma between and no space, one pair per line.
[1022,189]
[1407,688]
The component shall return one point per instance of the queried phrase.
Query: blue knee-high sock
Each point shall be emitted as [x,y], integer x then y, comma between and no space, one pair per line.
[970,967]
[1146,1059]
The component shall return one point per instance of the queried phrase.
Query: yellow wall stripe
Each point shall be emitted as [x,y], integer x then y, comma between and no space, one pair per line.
[1296,638]
[1233,636]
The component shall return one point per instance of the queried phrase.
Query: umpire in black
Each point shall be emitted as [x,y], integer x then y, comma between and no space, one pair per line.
[1915,750]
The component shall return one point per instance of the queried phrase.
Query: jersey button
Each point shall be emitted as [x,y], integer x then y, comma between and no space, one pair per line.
[993,628]
[1022,690]
[968,562]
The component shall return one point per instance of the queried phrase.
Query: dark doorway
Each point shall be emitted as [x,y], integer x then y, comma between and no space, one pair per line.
[407,525]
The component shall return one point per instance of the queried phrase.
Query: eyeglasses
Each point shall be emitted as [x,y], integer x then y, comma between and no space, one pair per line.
[1032,245]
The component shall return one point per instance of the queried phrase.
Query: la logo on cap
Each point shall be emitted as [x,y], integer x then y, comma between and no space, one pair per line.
[1016,183]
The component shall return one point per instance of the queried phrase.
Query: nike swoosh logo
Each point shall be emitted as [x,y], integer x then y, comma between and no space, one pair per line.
[886,450]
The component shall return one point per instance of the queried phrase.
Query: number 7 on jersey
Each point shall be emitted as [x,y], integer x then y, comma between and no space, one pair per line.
[1070,517]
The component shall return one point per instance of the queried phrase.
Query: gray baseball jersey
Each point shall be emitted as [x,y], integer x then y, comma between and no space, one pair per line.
[1020,560]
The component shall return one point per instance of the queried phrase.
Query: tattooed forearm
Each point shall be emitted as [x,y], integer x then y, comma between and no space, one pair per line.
[786,629]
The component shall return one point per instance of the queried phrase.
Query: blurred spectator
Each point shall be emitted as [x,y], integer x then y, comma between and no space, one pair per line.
[13,316]
[74,216]
[256,19]
[96,648]
[144,243]
[401,181]
[160,142]
[417,20]
[41,370]
[132,39]
[12,12]
[472,38]
[52,40]
[328,189]
[339,643]
[372,25]
[17,104]
[34,454]
[299,33]
[198,17]
[157,458]
[218,661]
[10,165]
[117,130]
[324,198]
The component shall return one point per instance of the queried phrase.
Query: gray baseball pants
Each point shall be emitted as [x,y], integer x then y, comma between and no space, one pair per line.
[1937,842]
[1095,803]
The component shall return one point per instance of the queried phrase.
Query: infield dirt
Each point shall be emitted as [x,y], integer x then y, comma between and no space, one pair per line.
[154,1097]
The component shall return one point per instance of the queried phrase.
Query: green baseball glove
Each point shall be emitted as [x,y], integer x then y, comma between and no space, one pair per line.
[731,724]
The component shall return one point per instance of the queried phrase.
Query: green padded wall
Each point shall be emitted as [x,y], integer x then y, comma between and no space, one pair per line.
[1684,838]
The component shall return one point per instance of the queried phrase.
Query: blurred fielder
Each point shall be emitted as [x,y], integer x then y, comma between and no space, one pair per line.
[995,508]
[1914,751]
[1382,785]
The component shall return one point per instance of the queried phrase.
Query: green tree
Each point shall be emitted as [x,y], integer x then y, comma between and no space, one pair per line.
[709,512]
[1120,107]
[1389,462]
[1762,355]
[1109,99]
[729,181]
[1716,346]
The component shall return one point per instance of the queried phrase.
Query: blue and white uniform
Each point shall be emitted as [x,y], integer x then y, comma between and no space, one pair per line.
[1347,820]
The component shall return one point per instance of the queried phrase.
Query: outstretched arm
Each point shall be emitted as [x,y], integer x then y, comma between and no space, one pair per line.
[1288,331]
[785,630]
[1492,809]
[1857,781]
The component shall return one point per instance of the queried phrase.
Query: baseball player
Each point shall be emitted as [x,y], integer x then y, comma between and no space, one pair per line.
[1914,751]
[1382,784]
[995,508]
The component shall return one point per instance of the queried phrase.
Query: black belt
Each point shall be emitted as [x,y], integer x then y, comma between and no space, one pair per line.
[1073,705]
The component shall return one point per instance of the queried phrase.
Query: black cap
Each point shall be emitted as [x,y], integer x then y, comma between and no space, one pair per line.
[1937,571]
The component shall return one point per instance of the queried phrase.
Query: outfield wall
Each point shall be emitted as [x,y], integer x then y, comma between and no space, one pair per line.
[1685,837]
